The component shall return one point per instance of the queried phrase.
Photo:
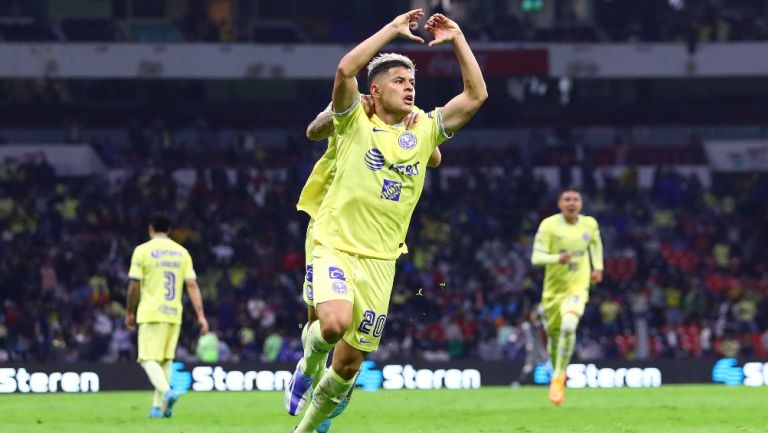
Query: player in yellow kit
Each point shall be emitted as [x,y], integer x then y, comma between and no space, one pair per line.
[568,245]
[159,269]
[320,178]
[312,196]
[363,219]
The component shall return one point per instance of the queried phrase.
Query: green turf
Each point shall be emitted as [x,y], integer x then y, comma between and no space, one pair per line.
[670,409]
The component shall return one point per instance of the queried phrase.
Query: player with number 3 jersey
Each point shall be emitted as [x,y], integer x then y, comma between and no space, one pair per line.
[159,269]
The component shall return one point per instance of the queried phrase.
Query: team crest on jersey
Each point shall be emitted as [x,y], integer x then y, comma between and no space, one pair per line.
[339,287]
[390,190]
[374,159]
[407,140]
[585,236]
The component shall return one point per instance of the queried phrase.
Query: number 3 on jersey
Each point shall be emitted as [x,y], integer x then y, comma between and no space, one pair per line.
[170,285]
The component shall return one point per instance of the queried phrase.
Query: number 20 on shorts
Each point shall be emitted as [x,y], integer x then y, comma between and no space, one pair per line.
[370,319]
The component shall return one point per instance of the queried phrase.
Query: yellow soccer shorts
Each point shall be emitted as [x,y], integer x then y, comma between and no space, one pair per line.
[555,306]
[365,282]
[157,341]
[308,245]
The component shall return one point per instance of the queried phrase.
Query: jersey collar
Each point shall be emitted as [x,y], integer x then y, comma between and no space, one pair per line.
[376,120]
[562,218]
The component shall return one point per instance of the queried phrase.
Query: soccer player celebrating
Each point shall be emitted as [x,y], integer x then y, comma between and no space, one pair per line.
[159,269]
[309,201]
[565,244]
[363,219]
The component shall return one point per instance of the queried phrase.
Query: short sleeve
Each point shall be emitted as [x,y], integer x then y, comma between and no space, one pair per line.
[439,134]
[189,269]
[136,272]
[541,242]
[342,121]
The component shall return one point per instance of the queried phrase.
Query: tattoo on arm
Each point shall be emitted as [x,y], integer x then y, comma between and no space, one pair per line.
[322,127]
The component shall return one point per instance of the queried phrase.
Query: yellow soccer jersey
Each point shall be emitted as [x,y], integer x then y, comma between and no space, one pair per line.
[581,239]
[319,181]
[380,171]
[161,266]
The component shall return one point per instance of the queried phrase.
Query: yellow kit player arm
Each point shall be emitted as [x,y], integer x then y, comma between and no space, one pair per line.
[136,274]
[134,294]
[542,254]
[345,89]
[596,255]
[193,291]
[463,106]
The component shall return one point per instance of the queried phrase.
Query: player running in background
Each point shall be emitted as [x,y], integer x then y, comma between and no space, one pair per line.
[568,245]
[159,269]
[309,201]
[362,221]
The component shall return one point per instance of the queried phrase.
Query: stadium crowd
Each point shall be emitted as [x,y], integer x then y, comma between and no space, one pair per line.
[686,266]
[691,21]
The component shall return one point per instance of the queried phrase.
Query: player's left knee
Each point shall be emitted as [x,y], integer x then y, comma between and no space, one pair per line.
[569,323]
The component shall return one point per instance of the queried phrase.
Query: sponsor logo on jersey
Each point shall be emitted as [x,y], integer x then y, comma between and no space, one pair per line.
[335,273]
[390,190]
[374,159]
[375,129]
[165,309]
[406,169]
[407,140]
[159,253]
[309,273]
[339,287]
[309,292]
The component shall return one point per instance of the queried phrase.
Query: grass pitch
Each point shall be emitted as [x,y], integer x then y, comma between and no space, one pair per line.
[670,409]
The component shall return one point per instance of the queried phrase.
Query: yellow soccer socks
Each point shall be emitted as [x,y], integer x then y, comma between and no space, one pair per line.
[315,351]
[566,342]
[158,378]
[331,390]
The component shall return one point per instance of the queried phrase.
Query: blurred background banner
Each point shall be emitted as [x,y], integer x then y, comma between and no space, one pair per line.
[304,61]
[249,376]
[67,160]
[738,155]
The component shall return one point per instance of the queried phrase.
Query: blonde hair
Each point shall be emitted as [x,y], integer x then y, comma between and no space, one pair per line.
[384,61]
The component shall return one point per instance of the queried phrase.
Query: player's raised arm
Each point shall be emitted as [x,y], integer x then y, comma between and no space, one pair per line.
[463,106]
[345,89]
